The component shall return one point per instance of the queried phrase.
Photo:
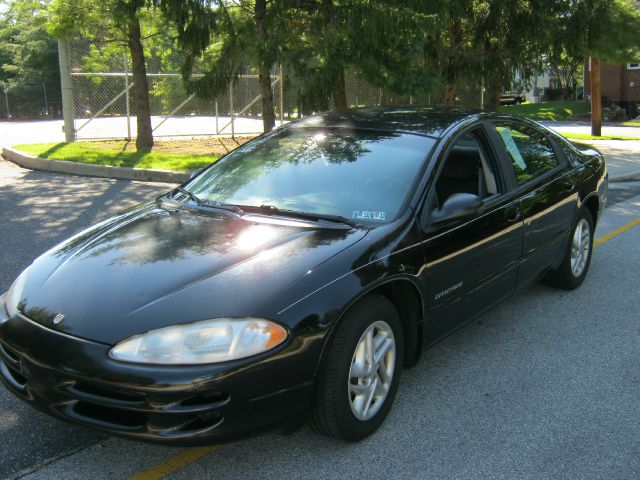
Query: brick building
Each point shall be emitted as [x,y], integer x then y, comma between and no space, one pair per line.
[620,84]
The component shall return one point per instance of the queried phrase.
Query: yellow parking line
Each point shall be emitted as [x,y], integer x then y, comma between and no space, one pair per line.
[175,463]
[616,232]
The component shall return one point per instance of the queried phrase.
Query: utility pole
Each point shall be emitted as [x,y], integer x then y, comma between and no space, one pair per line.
[126,95]
[67,89]
[596,98]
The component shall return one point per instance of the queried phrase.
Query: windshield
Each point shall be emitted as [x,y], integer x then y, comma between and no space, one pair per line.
[360,175]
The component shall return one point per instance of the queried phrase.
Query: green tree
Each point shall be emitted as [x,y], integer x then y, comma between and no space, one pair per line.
[28,59]
[382,42]
[115,21]
[318,40]
[219,38]
[508,39]
[597,29]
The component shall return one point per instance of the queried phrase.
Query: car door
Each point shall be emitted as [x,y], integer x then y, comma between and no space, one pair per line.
[548,194]
[470,262]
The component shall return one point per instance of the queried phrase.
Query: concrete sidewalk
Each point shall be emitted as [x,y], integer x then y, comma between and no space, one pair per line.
[584,128]
[622,156]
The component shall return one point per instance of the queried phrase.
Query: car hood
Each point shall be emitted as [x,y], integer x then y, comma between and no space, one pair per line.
[151,268]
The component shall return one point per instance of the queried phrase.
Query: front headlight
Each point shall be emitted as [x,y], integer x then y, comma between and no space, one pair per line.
[208,341]
[14,294]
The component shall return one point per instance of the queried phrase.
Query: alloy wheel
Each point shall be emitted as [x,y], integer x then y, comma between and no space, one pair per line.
[372,370]
[580,245]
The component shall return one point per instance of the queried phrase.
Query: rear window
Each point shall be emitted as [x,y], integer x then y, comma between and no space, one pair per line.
[530,152]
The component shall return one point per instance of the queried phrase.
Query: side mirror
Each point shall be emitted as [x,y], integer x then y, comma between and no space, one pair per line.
[457,207]
[195,172]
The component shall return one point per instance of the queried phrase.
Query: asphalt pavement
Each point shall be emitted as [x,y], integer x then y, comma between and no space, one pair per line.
[37,210]
[584,128]
[545,386]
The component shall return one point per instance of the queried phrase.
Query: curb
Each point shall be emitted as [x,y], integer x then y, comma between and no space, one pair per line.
[141,174]
[62,166]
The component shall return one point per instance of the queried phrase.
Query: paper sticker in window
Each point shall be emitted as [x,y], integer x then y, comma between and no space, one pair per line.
[512,148]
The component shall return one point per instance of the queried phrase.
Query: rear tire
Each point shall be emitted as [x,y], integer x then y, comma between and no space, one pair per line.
[575,264]
[354,392]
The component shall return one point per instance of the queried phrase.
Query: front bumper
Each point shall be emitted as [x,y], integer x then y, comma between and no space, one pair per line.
[75,380]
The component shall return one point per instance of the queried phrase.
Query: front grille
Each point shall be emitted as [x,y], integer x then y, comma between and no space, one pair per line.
[131,411]
[13,377]
[126,419]
[11,370]
[110,407]
[102,395]
[8,354]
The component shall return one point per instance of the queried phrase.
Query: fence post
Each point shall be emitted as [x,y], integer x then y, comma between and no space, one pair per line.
[281,96]
[46,103]
[67,89]
[6,99]
[126,95]
[233,132]
[217,129]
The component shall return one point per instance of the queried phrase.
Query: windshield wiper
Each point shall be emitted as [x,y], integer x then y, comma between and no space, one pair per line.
[211,204]
[273,210]
[223,206]
[190,194]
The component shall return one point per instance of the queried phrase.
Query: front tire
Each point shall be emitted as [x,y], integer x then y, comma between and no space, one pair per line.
[577,259]
[358,378]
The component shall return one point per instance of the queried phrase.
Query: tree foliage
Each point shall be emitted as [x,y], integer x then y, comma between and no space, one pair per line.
[28,60]
[118,23]
[406,48]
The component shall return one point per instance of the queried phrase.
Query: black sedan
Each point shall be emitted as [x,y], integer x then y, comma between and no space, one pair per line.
[298,275]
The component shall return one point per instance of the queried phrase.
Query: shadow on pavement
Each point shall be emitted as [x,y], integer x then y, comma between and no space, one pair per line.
[38,210]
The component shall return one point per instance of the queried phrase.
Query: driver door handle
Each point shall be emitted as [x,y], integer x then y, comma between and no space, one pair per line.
[513,214]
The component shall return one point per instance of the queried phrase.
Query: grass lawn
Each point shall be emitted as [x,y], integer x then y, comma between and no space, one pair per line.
[558,110]
[632,123]
[178,155]
[586,136]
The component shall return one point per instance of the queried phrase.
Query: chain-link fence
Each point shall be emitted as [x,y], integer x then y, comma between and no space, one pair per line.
[19,100]
[104,106]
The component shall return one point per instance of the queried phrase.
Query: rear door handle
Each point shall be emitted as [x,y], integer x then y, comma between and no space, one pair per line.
[513,214]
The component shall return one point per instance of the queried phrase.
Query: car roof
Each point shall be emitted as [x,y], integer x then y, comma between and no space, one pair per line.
[429,121]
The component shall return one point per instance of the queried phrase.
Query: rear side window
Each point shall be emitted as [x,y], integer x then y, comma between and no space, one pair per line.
[530,152]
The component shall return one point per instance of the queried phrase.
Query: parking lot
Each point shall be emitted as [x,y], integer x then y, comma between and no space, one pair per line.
[545,386]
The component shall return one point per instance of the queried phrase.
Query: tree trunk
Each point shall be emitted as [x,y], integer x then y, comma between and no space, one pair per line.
[340,96]
[268,114]
[596,98]
[339,88]
[449,95]
[454,31]
[264,75]
[495,90]
[144,140]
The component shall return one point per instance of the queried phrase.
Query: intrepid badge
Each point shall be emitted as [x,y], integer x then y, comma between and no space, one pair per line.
[58,318]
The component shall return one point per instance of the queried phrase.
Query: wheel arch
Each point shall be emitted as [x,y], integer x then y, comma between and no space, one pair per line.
[405,296]
[592,204]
